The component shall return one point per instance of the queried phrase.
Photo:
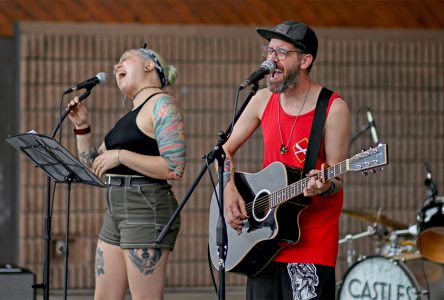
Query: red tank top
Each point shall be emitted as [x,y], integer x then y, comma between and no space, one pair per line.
[319,222]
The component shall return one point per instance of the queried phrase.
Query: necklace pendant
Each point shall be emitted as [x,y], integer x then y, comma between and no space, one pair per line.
[284,149]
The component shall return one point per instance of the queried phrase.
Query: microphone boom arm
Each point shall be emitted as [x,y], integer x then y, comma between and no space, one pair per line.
[359,132]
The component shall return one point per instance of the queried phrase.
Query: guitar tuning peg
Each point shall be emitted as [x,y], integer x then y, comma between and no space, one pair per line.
[373,171]
[365,173]
[381,169]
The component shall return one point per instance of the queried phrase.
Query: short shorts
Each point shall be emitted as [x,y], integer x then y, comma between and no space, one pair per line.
[137,211]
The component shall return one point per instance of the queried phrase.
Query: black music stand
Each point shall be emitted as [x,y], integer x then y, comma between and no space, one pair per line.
[59,164]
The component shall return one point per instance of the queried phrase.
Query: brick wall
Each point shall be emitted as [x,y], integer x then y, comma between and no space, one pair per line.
[398,74]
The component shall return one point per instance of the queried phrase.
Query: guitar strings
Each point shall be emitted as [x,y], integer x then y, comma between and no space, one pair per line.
[263,202]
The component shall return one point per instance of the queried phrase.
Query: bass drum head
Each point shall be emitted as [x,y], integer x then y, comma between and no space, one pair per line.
[379,278]
[429,275]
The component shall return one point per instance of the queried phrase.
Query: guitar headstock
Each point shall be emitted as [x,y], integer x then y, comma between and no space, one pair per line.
[369,159]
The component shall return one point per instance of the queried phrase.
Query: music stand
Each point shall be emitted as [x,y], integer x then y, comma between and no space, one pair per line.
[59,164]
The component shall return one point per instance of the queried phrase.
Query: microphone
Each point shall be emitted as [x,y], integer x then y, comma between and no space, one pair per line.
[429,182]
[266,68]
[372,125]
[89,83]
[428,171]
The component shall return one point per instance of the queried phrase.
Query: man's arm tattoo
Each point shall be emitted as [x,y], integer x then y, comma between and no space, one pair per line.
[227,170]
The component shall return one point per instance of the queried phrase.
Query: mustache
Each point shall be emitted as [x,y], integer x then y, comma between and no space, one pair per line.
[290,80]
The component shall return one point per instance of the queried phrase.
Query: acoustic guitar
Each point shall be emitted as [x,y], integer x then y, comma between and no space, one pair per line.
[274,201]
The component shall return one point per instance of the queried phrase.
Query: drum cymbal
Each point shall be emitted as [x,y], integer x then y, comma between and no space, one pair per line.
[375,218]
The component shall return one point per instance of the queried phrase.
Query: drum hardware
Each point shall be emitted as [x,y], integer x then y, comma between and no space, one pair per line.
[402,248]
[349,238]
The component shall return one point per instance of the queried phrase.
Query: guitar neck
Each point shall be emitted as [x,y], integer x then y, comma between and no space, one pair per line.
[369,159]
[295,189]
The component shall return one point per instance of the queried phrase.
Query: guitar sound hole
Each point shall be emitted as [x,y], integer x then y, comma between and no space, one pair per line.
[261,206]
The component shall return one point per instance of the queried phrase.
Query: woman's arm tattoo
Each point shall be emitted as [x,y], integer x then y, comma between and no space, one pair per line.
[87,157]
[170,135]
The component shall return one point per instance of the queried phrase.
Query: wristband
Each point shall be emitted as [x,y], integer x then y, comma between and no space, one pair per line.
[330,190]
[82,131]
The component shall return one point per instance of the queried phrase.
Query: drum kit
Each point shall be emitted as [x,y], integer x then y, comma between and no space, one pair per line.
[409,260]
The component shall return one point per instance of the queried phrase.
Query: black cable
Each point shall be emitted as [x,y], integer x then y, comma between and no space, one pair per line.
[60,117]
[220,209]
[424,272]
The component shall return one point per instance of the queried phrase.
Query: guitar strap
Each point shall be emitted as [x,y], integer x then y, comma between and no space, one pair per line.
[317,130]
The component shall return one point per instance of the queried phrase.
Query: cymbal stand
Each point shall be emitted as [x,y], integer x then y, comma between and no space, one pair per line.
[349,238]
[393,250]
[351,253]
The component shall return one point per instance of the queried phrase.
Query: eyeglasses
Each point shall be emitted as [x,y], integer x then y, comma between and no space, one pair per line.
[280,53]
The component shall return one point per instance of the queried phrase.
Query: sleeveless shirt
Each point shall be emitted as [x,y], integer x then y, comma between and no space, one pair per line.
[126,135]
[319,222]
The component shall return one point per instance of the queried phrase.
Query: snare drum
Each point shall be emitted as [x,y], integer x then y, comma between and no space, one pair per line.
[379,278]
[430,241]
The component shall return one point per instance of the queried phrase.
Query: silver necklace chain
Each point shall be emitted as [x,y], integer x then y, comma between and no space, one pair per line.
[284,147]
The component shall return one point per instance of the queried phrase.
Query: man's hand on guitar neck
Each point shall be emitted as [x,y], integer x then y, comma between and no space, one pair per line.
[235,211]
[318,186]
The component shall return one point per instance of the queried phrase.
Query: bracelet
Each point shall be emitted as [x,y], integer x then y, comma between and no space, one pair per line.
[118,156]
[330,190]
[82,131]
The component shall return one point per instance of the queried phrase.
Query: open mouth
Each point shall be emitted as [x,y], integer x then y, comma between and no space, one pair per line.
[121,74]
[277,74]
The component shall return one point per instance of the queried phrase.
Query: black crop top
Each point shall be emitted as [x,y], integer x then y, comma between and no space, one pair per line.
[126,135]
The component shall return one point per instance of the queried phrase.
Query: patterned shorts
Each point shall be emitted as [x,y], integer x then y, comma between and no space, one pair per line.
[293,281]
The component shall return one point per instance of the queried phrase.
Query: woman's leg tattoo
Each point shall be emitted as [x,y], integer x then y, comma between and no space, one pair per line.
[145,259]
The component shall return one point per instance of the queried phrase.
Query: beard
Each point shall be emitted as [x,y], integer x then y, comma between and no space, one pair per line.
[288,82]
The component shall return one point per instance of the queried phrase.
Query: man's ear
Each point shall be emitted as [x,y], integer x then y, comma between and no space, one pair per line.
[306,61]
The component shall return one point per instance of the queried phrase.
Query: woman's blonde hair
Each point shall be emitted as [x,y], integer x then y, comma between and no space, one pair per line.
[167,73]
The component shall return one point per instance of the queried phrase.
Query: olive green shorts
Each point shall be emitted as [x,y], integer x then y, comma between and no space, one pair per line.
[136,213]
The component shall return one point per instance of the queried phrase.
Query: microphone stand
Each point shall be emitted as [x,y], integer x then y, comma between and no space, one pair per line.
[48,219]
[359,132]
[216,154]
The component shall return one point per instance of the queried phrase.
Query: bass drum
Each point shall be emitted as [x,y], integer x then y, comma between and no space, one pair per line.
[379,278]
[430,241]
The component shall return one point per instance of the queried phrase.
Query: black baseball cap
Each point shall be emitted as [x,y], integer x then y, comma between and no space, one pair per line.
[296,33]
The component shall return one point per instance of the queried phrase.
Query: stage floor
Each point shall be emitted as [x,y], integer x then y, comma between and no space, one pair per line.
[182,293]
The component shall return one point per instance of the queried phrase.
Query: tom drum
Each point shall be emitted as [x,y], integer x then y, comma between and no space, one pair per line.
[430,241]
